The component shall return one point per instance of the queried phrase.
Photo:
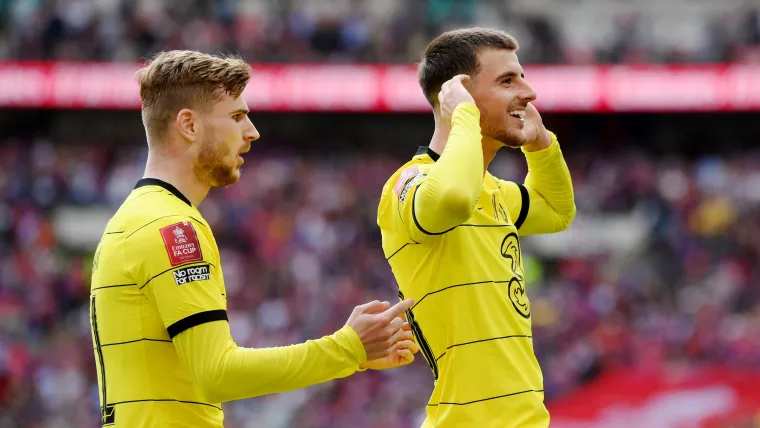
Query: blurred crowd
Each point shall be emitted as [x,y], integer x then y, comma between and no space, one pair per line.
[550,31]
[300,248]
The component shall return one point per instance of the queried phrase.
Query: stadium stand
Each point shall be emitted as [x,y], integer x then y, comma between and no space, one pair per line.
[659,272]
[668,281]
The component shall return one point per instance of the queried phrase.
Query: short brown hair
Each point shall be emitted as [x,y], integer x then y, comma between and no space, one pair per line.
[456,52]
[180,79]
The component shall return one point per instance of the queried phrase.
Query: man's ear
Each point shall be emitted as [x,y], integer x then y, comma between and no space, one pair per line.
[187,124]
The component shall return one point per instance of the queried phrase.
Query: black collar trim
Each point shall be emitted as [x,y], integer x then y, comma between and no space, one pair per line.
[422,150]
[160,183]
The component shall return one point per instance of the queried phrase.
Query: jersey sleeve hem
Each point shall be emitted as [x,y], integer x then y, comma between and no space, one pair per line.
[354,342]
[465,108]
[543,154]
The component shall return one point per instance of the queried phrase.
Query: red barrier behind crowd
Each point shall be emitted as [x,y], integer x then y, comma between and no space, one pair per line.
[383,88]
[699,398]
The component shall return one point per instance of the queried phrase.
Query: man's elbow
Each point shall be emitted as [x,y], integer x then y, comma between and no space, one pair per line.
[459,205]
[212,382]
[566,218]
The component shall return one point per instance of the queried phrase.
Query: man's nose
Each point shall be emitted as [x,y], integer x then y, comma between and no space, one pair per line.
[527,93]
[251,133]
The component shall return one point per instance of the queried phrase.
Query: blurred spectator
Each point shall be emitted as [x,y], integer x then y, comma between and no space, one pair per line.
[552,31]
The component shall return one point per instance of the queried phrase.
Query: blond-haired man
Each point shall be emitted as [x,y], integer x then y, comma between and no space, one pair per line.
[163,349]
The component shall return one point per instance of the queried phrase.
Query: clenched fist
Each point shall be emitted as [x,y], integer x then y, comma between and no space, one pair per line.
[406,347]
[452,94]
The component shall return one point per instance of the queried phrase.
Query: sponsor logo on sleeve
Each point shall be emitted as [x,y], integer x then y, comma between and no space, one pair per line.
[405,176]
[192,273]
[408,187]
[181,243]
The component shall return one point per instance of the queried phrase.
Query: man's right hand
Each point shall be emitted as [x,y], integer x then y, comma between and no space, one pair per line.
[379,326]
[452,94]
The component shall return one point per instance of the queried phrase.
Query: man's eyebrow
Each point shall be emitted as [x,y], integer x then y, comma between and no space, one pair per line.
[506,74]
[240,111]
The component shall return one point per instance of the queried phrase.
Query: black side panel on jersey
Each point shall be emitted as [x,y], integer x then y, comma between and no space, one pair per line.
[107,413]
[427,352]
[524,207]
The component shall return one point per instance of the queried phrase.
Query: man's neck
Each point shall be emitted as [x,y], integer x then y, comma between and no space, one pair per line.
[441,137]
[178,173]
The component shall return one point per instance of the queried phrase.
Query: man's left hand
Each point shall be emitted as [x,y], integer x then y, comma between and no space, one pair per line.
[536,135]
[406,347]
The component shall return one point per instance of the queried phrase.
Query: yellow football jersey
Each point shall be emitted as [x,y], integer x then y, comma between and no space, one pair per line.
[156,248]
[472,316]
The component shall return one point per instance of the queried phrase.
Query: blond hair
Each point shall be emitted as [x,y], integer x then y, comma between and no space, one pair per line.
[180,79]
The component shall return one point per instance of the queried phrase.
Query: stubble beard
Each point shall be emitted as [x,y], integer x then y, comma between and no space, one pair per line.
[507,137]
[210,168]
[494,127]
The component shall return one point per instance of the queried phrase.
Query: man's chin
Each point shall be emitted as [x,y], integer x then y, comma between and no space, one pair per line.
[514,145]
[513,142]
[228,179]
[234,178]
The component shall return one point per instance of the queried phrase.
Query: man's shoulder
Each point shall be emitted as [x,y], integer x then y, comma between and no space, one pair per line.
[147,211]
[161,240]
[396,190]
[416,166]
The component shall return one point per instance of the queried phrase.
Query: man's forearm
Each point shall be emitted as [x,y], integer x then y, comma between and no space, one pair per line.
[225,372]
[448,196]
[549,176]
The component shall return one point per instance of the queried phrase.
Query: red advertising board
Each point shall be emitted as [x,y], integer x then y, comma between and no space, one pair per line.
[705,398]
[384,88]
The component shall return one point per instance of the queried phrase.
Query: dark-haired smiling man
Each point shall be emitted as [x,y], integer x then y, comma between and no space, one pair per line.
[451,232]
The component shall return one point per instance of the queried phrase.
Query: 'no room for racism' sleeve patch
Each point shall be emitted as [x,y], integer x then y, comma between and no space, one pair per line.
[187,274]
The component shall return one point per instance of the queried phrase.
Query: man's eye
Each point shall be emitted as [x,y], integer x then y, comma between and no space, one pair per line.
[507,81]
